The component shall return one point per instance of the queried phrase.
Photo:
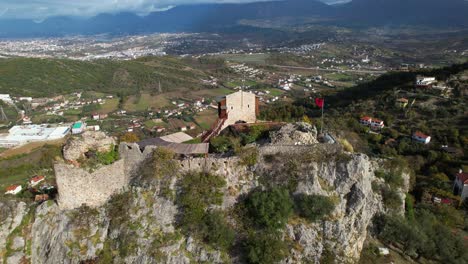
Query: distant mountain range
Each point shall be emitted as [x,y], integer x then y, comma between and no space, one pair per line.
[219,17]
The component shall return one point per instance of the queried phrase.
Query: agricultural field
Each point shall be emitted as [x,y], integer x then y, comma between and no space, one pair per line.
[257,58]
[145,101]
[23,163]
[206,118]
[191,95]
[111,105]
[237,83]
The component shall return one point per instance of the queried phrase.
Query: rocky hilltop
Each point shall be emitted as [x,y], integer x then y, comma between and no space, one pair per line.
[140,223]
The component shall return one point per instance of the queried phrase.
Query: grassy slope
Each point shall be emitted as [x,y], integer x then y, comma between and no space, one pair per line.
[45,77]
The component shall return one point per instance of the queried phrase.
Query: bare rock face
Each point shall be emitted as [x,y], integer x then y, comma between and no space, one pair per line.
[77,147]
[67,237]
[11,218]
[295,134]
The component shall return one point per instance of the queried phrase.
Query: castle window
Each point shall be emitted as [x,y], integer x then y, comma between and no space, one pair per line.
[248,106]
[231,107]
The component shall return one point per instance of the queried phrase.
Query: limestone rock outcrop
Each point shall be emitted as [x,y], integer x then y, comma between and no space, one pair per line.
[295,134]
[12,244]
[148,233]
[77,147]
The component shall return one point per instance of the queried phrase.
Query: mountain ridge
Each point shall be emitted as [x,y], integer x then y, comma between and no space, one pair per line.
[218,17]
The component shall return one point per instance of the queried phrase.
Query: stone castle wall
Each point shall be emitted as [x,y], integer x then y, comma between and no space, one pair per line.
[77,186]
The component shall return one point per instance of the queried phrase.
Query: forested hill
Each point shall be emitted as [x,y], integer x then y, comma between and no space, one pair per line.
[45,77]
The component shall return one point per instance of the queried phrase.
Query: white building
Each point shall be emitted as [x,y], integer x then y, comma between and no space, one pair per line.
[422,138]
[374,123]
[460,186]
[36,180]
[29,99]
[20,135]
[6,98]
[78,127]
[14,189]
[422,81]
[377,123]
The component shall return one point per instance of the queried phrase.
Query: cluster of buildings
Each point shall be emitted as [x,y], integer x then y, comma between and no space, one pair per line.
[423,82]
[35,102]
[212,81]
[33,182]
[246,70]
[23,134]
[58,108]
[52,106]
[288,82]
[89,48]
[377,124]
[41,193]
[303,49]
[199,105]
[373,123]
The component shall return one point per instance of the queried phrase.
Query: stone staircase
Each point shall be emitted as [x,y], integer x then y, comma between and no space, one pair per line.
[214,131]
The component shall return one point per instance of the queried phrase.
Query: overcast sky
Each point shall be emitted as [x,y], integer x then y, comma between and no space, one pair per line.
[41,9]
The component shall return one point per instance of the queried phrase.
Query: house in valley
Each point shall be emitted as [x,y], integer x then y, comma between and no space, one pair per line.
[13,189]
[460,185]
[421,137]
[36,180]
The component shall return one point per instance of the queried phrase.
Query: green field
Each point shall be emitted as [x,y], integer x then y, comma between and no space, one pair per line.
[247,58]
[146,101]
[109,106]
[19,168]
[237,83]
[206,118]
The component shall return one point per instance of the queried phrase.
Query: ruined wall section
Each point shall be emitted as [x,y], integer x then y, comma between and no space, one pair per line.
[77,186]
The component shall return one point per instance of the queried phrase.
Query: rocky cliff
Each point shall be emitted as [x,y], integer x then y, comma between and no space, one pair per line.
[139,225]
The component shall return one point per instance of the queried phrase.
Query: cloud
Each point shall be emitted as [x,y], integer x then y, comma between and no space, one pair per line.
[41,9]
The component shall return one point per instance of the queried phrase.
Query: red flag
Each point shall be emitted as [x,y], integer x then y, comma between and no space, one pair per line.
[320,102]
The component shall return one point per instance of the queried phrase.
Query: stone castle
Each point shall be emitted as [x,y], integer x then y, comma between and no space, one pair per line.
[238,107]
[293,153]
[78,186]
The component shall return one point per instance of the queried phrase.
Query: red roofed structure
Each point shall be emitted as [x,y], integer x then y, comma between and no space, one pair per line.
[13,189]
[36,179]
[421,137]
[460,186]
[374,123]
[366,120]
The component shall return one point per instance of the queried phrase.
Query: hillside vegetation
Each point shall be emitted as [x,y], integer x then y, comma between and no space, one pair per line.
[46,77]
